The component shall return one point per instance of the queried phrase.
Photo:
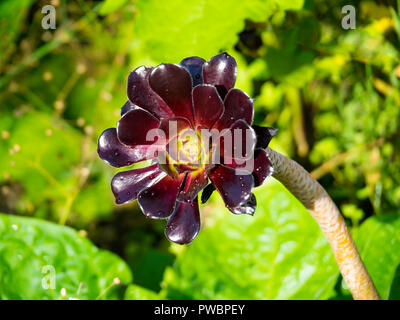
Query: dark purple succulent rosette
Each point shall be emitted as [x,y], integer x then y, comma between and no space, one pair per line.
[194,95]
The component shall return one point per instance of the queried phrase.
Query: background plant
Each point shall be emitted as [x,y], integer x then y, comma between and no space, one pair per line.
[333,93]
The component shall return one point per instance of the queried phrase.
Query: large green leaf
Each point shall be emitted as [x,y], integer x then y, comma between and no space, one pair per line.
[280,253]
[172,30]
[379,242]
[31,250]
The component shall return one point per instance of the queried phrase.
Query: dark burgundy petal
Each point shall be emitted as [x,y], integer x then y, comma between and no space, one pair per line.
[184,225]
[133,127]
[194,65]
[259,166]
[158,201]
[195,182]
[234,189]
[264,135]
[237,144]
[166,164]
[248,207]
[208,106]
[207,192]
[173,126]
[126,185]
[111,150]
[174,85]
[262,167]
[221,71]
[128,106]
[238,105]
[140,93]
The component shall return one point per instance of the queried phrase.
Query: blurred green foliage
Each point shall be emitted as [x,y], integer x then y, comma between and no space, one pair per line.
[333,94]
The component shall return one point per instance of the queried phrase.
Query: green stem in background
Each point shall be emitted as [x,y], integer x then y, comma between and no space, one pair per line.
[314,197]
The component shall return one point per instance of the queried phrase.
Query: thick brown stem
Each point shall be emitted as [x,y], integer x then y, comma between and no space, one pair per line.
[314,197]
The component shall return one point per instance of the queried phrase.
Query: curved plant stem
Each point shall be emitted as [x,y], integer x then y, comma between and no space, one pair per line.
[314,197]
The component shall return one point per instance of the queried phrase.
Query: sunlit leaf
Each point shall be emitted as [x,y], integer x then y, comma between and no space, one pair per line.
[175,29]
[379,241]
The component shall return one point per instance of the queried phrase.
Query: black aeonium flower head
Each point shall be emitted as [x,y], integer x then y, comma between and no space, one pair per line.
[195,126]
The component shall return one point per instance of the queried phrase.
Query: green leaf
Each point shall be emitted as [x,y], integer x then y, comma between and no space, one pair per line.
[172,30]
[110,6]
[135,292]
[280,253]
[379,242]
[395,287]
[32,249]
